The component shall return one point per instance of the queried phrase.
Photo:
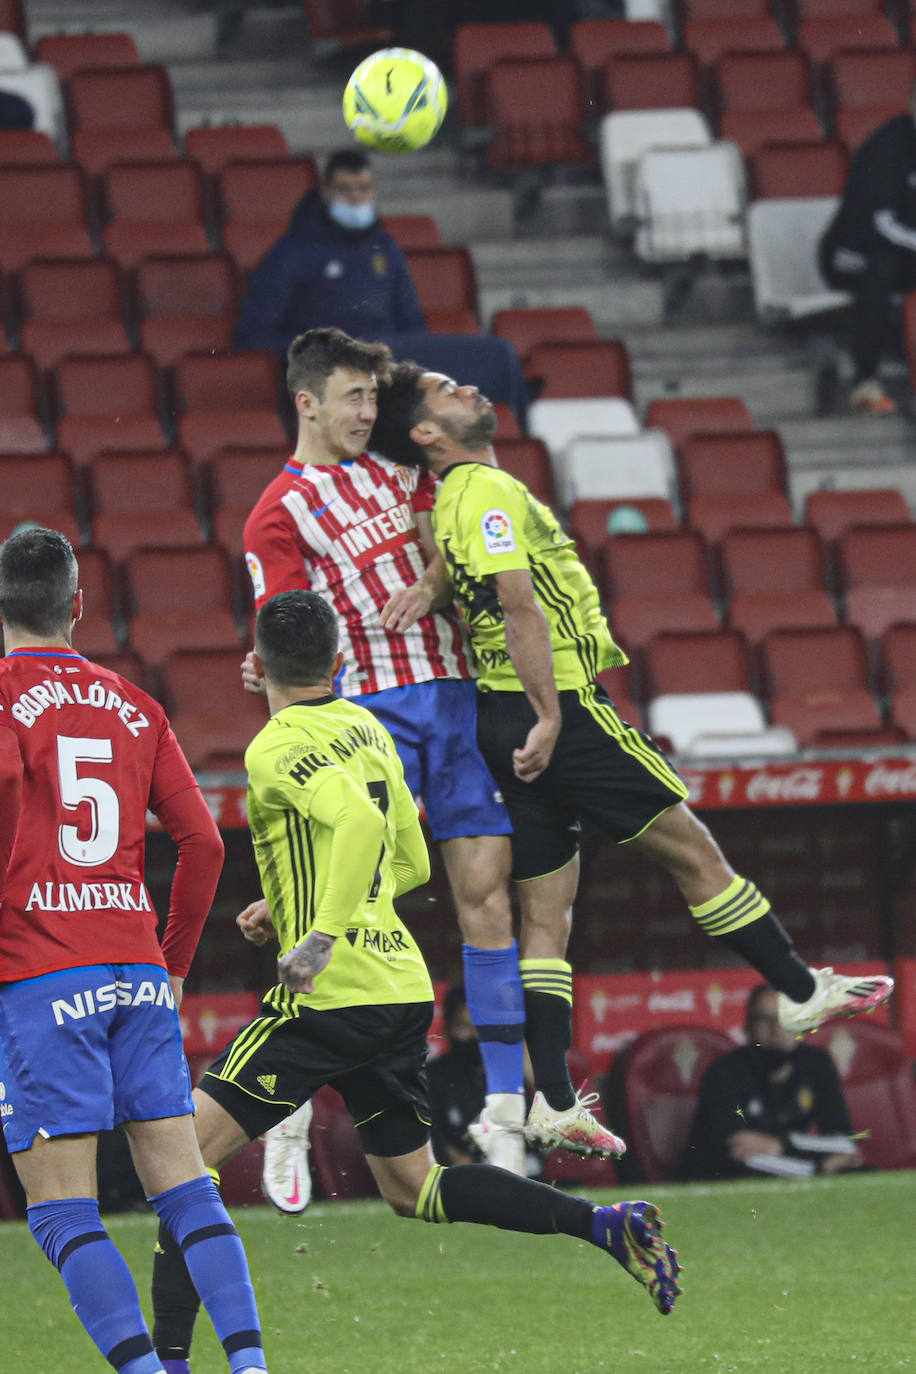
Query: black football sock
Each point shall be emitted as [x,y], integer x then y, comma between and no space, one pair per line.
[740,917]
[547,985]
[487,1196]
[175,1300]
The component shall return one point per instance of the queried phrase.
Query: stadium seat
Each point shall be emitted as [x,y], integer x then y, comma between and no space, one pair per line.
[237,476]
[625,135]
[69,53]
[477,46]
[742,463]
[878,1081]
[684,416]
[22,427]
[817,680]
[658,582]
[213,146]
[730,724]
[227,401]
[882,556]
[27,147]
[209,712]
[832,513]
[711,39]
[42,215]
[97,150]
[651,81]
[660,1074]
[594,41]
[821,38]
[898,656]
[256,200]
[529,461]
[129,97]
[783,236]
[725,9]
[557,423]
[446,285]
[588,521]
[127,665]
[525,328]
[869,81]
[590,367]
[96,633]
[775,578]
[13,55]
[107,402]
[38,84]
[853,124]
[507,421]
[610,466]
[153,209]
[717,662]
[902,711]
[348,23]
[71,307]
[715,514]
[819,9]
[690,201]
[140,499]
[337,1157]
[618,683]
[186,305]
[179,598]
[413,231]
[786,171]
[525,134]
[765,98]
[40,487]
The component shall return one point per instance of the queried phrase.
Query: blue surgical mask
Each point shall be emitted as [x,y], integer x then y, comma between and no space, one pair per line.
[350,216]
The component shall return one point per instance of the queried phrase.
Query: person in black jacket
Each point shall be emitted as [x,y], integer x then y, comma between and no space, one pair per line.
[869,248]
[774,1106]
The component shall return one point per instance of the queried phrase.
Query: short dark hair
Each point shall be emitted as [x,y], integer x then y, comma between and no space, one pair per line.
[39,578]
[345,160]
[314,355]
[295,635]
[401,405]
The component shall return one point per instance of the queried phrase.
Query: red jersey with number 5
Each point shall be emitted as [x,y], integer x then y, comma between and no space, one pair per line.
[95,752]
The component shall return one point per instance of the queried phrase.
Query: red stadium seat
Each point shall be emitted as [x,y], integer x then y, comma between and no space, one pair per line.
[618,683]
[526,132]
[592,367]
[854,124]
[337,1156]
[660,1075]
[726,9]
[97,150]
[508,421]
[756,614]
[594,41]
[209,711]
[153,208]
[818,682]
[902,712]
[775,579]
[256,201]
[710,39]
[446,285]
[225,401]
[179,598]
[237,478]
[524,328]
[107,403]
[658,582]
[873,608]
[413,231]
[478,46]
[898,655]
[40,487]
[42,215]
[649,81]
[71,307]
[12,17]
[140,499]
[763,81]
[529,461]
[347,22]
[588,522]
[95,633]
[27,147]
[685,416]
[826,35]
[879,556]
[877,80]
[878,1081]
[128,665]
[832,513]
[22,429]
[788,170]
[128,97]
[717,662]
[212,147]
[715,514]
[186,304]
[817,9]
[740,463]
[69,53]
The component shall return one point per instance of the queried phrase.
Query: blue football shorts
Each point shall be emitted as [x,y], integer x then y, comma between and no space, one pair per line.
[84,1049]
[434,725]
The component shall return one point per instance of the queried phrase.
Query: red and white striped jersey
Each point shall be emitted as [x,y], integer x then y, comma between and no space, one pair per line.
[348,531]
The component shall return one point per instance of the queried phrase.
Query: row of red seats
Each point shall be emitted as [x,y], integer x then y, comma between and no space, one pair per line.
[816,681]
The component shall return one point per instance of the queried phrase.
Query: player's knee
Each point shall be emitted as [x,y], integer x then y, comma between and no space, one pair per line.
[401,1197]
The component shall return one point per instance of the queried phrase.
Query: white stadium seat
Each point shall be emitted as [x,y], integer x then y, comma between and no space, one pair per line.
[606,466]
[783,237]
[690,201]
[699,723]
[557,423]
[39,85]
[13,56]
[625,135]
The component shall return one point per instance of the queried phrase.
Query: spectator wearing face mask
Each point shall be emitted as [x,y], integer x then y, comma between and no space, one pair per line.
[335,265]
[773,1106]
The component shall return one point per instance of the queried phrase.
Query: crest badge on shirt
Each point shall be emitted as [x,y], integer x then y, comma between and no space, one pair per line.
[380,264]
[498,534]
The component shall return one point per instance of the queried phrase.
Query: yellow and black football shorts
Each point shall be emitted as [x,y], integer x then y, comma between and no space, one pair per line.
[602,771]
[375,1057]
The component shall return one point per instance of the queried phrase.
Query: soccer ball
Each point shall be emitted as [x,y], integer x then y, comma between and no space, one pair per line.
[395,101]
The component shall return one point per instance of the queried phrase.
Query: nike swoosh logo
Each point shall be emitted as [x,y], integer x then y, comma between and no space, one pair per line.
[322,510]
[293,1198]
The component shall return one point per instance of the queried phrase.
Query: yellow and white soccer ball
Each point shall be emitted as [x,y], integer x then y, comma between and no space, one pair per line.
[395,101]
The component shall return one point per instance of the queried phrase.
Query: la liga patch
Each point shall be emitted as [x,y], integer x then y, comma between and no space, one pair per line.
[497,531]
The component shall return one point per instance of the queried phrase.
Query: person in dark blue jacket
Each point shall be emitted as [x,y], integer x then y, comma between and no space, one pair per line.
[335,265]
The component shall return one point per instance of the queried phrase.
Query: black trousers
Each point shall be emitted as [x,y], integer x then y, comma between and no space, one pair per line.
[887,271]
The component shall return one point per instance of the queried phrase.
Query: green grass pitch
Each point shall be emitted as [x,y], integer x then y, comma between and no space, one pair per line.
[800,1277]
